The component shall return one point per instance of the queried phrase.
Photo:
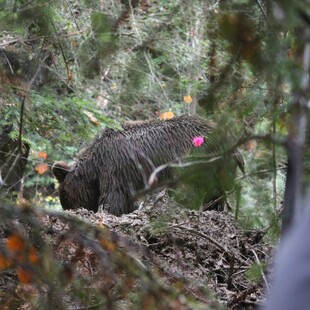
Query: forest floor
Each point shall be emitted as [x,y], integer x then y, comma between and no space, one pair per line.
[204,255]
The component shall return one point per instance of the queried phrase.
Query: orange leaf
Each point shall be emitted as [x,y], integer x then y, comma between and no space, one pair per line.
[91,117]
[41,168]
[68,274]
[108,244]
[148,302]
[22,202]
[70,76]
[24,276]
[166,115]
[251,146]
[15,243]
[33,256]
[42,155]
[5,262]
[188,99]
[73,43]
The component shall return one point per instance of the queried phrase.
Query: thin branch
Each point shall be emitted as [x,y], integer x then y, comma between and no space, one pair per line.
[157,170]
[241,296]
[21,120]
[72,14]
[217,244]
[231,272]
[61,50]
[259,172]
[261,271]
[262,10]
[14,164]
[8,62]
[67,35]
[38,63]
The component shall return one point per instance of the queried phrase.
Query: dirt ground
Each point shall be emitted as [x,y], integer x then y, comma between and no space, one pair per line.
[204,256]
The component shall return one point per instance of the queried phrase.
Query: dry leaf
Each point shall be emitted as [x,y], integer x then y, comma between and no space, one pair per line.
[91,117]
[188,99]
[42,155]
[5,262]
[41,168]
[70,76]
[15,243]
[166,115]
[33,256]
[24,276]
[108,244]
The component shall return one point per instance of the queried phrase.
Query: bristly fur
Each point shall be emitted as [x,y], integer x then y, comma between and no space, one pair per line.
[119,163]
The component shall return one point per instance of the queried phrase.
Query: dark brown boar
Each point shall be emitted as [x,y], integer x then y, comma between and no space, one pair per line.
[119,163]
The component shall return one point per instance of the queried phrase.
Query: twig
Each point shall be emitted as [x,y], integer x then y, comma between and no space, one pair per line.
[256,304]
[258,172]
[21,118]
[72,14]
[40,37]
[8,62]
[262,10]
[212,203]
[61,50]
[158,169]
[215,243]
[274,165]
[261,270]
[17,158]
[231,272]
[241,296]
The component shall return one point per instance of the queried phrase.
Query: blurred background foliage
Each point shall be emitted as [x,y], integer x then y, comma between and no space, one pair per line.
[70,67]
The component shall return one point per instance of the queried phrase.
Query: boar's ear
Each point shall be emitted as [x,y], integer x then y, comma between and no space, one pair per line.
[60,170]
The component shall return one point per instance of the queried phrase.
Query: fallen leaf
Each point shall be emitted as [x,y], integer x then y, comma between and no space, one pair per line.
[24,276]
[91,117]
[41,168]
[166,115]
[15,243]
[42,155]
[5,262]
[188,99]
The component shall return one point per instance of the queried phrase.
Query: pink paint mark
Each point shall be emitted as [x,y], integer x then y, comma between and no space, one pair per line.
[197,141]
